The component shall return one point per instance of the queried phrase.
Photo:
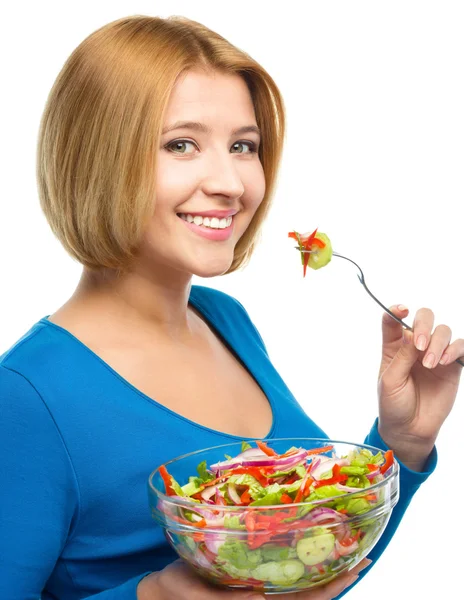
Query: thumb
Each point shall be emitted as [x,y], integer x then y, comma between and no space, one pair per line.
[400,366]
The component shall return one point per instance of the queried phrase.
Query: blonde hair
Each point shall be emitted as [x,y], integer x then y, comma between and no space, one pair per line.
[101,127]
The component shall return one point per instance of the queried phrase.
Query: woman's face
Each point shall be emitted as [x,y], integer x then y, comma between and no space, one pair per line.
[211,173]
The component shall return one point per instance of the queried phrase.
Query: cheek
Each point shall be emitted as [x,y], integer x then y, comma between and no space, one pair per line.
[256,190]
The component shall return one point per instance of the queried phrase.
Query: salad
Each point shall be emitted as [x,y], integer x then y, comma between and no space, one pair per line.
[298,515]
[319,246]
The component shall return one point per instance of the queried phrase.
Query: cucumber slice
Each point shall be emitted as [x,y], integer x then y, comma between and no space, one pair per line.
[284,572]
[322,256]
[314,550]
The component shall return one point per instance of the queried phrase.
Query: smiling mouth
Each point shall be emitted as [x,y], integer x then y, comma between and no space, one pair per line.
[207,222]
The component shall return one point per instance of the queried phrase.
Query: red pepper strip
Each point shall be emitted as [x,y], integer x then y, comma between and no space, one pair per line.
[318,242]
[286,499]
[265,448]
[388,461]
[263,526]
[275,518]
[245,498]
[371,497]
[198,537]
[299,496]
[319,450]
[167,481]
[201,523]
[289,453]
[351,540]
[372,467]
[337,477]
[308,484]
[250,520]
[307,246]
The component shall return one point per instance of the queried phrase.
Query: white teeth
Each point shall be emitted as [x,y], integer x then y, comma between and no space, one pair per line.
[214,223]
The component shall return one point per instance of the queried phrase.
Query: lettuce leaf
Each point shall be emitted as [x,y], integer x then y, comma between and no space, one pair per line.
[236,553]
[203,473]
[255,489]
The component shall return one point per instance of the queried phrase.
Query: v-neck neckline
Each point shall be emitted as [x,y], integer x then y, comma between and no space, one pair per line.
[208,318]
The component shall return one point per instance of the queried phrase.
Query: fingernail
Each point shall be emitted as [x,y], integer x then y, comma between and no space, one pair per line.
[429,360]
[365,565]
[421,342]
[402,307]
[407,336]
[444,359]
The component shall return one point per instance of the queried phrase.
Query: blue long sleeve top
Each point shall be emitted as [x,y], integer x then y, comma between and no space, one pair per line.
[78,442]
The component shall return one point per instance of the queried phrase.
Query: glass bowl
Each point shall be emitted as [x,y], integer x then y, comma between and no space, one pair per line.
[275,548]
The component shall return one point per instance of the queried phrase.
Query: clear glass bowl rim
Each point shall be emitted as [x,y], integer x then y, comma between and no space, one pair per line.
[327,442]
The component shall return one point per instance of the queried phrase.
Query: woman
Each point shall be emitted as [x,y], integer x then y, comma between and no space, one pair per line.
[138,365]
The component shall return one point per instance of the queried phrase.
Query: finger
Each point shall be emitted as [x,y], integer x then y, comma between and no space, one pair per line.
[438,344]
[422,328]
[391,329]
[453,352]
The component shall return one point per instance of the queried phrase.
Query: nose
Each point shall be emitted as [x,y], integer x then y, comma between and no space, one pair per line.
[222,177]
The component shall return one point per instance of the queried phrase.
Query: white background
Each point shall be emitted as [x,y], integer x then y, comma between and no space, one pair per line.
[374,157]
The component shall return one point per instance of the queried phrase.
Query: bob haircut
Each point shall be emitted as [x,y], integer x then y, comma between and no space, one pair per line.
[101,127]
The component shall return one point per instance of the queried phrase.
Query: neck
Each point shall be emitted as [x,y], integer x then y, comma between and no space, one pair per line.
[140,301]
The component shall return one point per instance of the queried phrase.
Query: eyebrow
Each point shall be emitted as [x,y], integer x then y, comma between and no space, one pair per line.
[196,126]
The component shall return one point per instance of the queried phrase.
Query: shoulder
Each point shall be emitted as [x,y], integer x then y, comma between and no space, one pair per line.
[33,357]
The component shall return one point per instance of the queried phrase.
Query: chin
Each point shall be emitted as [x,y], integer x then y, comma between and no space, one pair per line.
[211,269]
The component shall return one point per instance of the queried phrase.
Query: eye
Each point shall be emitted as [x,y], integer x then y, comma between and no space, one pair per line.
[179,143]
[251,145]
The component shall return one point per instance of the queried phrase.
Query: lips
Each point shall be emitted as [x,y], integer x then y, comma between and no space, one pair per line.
[220,214]
[208,232]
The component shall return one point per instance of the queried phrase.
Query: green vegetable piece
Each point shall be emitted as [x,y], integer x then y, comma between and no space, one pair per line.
[245,446]
[285,572]
[316,549]
[203,473]
[354,470]
[239,555]
[268,499]
[193,486]
[355,506]
[277,553]
[233,522]
[255,489]
[322,256]
[176,487]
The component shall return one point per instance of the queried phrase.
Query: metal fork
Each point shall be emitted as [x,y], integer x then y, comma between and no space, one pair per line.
[363,281]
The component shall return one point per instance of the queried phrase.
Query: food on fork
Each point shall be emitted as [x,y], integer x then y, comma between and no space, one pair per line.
[315,248]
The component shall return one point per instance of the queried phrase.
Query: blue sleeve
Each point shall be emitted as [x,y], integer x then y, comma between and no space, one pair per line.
[410,481]
[39,499]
